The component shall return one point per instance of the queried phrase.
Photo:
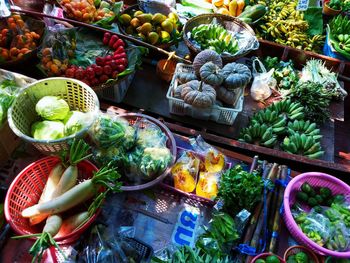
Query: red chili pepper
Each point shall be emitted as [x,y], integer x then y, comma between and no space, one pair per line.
[113,40]
[121,55]
[120,42]
[106,38]
[119,50]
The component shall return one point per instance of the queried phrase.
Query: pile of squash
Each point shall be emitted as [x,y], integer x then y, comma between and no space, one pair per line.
[211,81]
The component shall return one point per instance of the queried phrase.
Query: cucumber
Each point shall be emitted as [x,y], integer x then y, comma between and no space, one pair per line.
[254,13]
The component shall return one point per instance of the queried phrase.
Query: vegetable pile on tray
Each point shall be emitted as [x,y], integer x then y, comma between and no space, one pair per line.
[82,55]
[152,28]
[58,121]
[286,25]
[63,192]
[338,34]
[327,223]
[19,36]
[138,149]
[89,11]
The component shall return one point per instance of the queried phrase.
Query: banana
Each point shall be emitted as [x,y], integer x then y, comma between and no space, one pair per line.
[315,155]
[309,142]
[266,136]
[303,138]
[270,143]
[248,138]
[314,148]
[297,116]
[293,148]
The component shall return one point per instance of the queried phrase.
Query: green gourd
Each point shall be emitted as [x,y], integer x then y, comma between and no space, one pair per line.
[198,94]
[236,75]
[211,74]
[204,57]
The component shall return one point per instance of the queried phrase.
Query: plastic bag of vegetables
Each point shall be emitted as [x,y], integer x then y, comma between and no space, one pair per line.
[107,131]
[149,134]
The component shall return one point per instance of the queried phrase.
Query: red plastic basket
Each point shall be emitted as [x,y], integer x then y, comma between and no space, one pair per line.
[315,179]
[265,255]
[26,190]
[296,249]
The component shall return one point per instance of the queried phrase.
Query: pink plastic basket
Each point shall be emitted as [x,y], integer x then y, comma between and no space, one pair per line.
[315,179]
[265,255]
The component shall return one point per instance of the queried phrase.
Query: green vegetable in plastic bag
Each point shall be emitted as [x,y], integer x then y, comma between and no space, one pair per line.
[75,121]
[154,161]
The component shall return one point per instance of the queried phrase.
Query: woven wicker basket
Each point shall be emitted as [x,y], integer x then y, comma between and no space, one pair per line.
[230,23]
[77,94]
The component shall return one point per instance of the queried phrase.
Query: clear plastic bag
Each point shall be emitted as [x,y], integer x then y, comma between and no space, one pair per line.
[263,82]
[207,185]
[214,160]
[185,172]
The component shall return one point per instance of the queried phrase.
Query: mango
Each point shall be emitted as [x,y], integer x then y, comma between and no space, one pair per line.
[165,36]
[145,28]
[153,38]
[125,19]
[173,16]
[167,26]
[135,22]
[139,12]
[144,18]
[158,18]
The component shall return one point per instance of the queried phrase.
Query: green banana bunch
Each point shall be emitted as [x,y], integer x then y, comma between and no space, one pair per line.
[292,110]
[303,145]
[215,37]
[272,118]
[259,134]
[304,127]
[339,29]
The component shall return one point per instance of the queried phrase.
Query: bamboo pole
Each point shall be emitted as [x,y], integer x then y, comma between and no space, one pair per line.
[125,37]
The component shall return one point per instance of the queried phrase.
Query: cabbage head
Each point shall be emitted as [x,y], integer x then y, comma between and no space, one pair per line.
[48,130]
[75,121]
[52,108]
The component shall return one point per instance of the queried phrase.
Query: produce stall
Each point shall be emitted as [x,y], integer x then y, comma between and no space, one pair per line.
[163,131]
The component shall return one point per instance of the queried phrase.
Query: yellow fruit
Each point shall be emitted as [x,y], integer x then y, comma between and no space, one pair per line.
[135,22]
[173,16]
[144,18]
[223,11]
[125,19]
[217,3]
[214,162]
[138,13]
[184,181]
[207,186]
[152,38]
[142,36]
[165,36]
[167,26]
[145,28]
[158,18]
[158,30]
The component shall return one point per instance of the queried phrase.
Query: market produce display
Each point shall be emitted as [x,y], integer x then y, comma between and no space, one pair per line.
[285,25]
[299,257]
[62,192]
[338,33]
[89,11]
[138,149]
[268,259]
[107,60]
[215,37]
[19,36]
[327,223]
[57,119]
[213,82]
[155,29]
[285,118]
[8,90]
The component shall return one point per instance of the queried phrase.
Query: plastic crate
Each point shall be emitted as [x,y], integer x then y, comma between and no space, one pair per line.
[117,90]
[216,113]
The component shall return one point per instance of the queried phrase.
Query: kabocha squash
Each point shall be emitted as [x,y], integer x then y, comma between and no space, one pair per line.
[211,74]
[184,77]
[236,75]
[177,91]
[204,57]
[198,94]
[226,96]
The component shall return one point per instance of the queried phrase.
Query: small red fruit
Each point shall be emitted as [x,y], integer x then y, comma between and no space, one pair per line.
[113,39]
[108,58]
[120,55]
[100,61]
[90,73]
[70,72]
[103,78]
[120,68]
[119,49]
[107,70]
[79,73]
[113,64]
[106,38]
[94,82]
[98,70]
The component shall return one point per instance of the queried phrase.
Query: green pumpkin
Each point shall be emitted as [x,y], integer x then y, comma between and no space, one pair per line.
[184,77]
[204,57]
[211,74]
[198,94]
[236,75]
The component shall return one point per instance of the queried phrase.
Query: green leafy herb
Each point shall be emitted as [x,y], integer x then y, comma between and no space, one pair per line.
[315,98]
[240,190]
